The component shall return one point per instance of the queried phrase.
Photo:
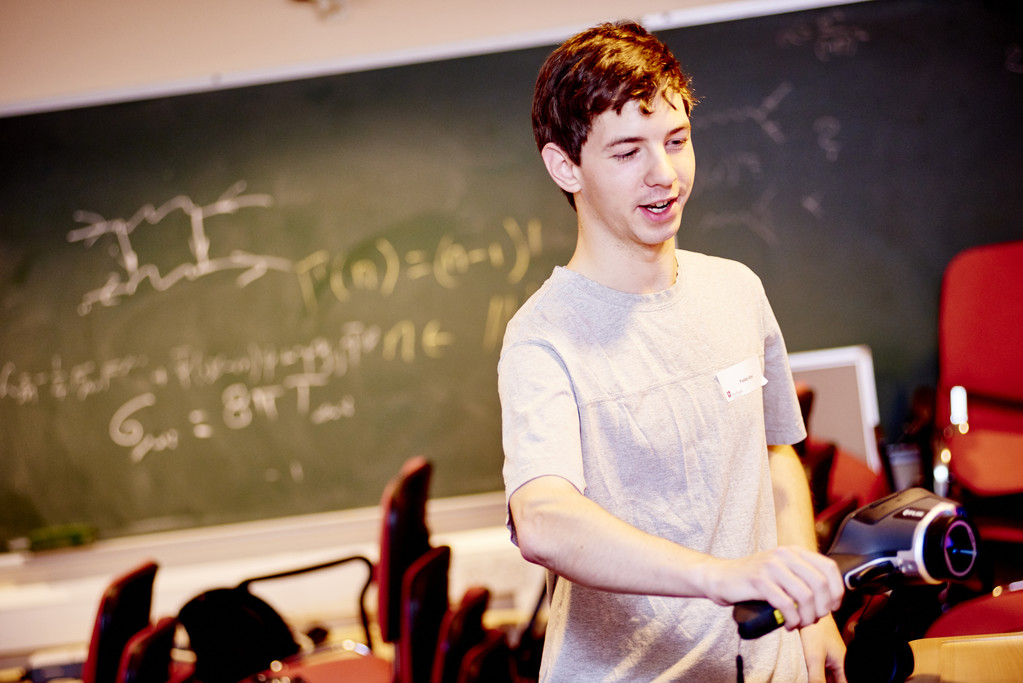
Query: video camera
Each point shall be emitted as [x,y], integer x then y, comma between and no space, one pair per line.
[910,537]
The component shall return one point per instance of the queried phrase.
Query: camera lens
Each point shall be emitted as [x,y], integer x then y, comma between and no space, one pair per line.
[960,548]
[950,548]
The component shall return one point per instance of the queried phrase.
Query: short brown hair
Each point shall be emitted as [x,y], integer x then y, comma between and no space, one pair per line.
[602,68]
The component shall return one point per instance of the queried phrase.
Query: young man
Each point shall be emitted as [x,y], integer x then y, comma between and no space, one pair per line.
[647,406]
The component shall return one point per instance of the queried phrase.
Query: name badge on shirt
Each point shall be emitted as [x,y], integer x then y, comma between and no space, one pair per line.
[742,378]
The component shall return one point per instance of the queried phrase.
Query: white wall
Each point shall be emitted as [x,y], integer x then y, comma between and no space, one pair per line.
[60,53]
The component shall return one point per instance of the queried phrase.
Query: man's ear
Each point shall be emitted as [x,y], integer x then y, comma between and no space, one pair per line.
[561,169]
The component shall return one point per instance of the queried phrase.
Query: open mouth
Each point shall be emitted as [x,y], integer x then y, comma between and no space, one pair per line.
[659,207]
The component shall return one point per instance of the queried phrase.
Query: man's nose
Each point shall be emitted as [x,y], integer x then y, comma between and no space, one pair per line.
[662,171]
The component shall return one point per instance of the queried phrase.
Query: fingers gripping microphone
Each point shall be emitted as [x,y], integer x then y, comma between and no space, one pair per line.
[910,537]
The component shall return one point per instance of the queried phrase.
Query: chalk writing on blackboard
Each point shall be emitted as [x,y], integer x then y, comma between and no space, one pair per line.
[729,171]
[812,204]
[127,431]
[263,381]
[1014,59]
[757,219]
[385,267]
[80,381]
[761,114]
[829,35]
[827,129]
[117,286]
[379,272]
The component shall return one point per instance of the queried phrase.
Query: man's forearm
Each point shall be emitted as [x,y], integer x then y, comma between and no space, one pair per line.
[571,535]
[792,502]
[565,532]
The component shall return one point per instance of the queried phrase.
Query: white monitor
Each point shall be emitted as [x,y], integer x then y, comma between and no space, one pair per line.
[845,398]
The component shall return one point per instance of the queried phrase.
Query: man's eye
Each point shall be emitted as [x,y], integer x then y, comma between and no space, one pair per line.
[625,155]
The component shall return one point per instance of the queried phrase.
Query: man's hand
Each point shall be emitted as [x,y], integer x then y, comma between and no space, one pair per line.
[824,651]
[803,585]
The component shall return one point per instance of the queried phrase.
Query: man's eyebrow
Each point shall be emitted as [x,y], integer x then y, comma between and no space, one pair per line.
[631,140]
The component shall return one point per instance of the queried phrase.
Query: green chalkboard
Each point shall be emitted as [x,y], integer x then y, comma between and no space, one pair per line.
[258,302]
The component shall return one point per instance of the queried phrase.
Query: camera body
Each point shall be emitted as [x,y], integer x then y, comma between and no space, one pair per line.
[909,537]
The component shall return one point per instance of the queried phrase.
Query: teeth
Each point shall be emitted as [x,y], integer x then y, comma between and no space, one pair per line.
[658,208]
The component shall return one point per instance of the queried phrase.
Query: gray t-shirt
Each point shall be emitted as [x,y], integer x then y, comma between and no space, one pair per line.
[655,407]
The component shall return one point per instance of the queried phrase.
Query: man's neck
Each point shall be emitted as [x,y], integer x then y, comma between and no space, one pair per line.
[641,272]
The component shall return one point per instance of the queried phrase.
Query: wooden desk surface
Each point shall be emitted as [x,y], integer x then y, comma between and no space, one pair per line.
[968,659]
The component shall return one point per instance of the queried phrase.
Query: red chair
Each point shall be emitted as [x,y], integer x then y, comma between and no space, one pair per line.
[468,651]
[147,658]
[424,602]
[404,538]
[491,661]
[998,612]
[980,348]
[980,335]
[461,629]
[123,611]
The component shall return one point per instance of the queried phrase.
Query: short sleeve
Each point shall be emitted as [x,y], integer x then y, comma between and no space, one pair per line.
[539,417]
[783,420]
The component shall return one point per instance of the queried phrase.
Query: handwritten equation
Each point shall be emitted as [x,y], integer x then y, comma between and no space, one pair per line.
[307,377]
[382,271]
[830,35]
[342,274]
[242,405]
[265,383]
